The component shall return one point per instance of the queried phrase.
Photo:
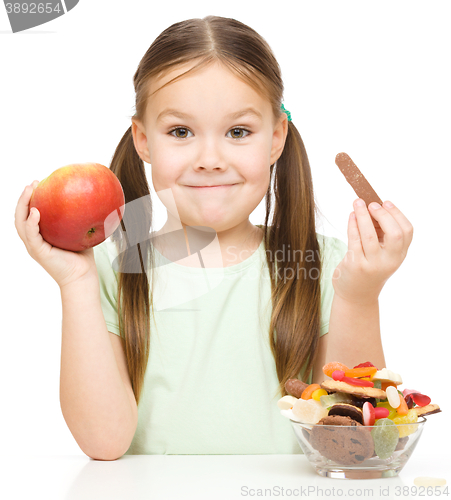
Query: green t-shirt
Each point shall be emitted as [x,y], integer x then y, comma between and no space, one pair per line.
[211,384]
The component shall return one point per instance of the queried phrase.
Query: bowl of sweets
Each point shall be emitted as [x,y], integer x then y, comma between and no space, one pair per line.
[356,424]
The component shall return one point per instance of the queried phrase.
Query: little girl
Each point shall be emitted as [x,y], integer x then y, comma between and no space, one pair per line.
[167,349]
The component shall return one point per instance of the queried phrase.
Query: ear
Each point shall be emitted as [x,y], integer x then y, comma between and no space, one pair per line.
[279,137]
[140,140]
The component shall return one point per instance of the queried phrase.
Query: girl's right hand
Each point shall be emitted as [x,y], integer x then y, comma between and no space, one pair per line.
[64,266]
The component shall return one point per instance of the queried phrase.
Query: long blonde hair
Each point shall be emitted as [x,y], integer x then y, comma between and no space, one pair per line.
[296,300]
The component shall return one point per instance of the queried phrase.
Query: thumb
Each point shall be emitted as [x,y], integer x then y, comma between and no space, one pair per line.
[34,237]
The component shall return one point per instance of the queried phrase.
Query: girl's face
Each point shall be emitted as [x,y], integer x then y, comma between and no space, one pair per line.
[191,138]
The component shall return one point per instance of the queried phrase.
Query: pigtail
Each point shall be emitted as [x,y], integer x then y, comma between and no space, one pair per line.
[133,250]
[296,297]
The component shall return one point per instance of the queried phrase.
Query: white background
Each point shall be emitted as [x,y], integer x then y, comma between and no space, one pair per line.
[368,78]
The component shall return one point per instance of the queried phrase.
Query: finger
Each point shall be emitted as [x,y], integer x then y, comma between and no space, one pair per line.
[355,249]
[402,220]
[368,235]
[394,235]
[22,211]
[34,239]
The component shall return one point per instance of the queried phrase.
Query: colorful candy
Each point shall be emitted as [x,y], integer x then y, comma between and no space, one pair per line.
[420,399]
[385,436]
[388,419]
[393,396]
[402,408]
[287,402]
[362,371]
[392,413]
[329,368]
[309,390]
[415,396]
[309,411]
[410,418]
[367,363]
[381,412]
[386,384]
[334,398]
[369,414]
[357,381]
[338,374]
[385,375]
[316,395]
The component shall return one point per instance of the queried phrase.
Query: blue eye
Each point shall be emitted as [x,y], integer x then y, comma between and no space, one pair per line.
[185,131]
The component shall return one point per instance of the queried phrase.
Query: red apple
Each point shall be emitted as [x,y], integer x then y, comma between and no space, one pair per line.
[80,205]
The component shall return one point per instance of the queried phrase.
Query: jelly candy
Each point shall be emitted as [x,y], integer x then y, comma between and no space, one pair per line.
[418,398]
[384,385]
[367,363]
[393,396]
[385,403]
[402,408]
[410,418]
[316,395]
[377,384]
[406,392]
[392,414]
[385,436]
[286,402]
[388,376]
[381,412]
[334,398]
[356,381]
[309,411]
[409,401]
[361,372]
[369,413]
[338,374]
[331,367]
[309,390]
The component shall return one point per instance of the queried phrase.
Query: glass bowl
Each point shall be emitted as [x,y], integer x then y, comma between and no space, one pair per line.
[348,452]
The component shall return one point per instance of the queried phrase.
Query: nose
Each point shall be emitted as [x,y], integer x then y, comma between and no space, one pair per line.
[210,156]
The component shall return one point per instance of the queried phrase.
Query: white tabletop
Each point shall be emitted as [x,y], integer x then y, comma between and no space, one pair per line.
[137,477]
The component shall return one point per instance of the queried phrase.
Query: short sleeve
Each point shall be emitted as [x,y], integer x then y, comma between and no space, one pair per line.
[108,285]
[332,251]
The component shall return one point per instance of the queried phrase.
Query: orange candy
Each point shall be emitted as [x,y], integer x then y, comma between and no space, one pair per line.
[366,371]
[332,366]
[309,390]
[402,408]
[384,385]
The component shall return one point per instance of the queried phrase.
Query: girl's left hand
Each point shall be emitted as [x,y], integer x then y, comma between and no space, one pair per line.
[373,254]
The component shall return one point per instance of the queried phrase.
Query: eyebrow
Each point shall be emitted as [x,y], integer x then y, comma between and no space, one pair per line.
[234,115]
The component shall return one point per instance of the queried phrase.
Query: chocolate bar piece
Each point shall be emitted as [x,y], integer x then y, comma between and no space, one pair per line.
[356,179]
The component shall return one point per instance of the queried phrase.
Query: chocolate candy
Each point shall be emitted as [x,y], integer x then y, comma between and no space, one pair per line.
[295,387]
[357,181]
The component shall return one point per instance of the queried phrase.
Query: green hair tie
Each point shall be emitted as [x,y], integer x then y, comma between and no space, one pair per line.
[287,112]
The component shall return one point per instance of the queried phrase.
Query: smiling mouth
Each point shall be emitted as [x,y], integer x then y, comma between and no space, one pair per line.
[213,187]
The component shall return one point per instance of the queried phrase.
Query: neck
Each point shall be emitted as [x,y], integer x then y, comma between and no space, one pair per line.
[220,247]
